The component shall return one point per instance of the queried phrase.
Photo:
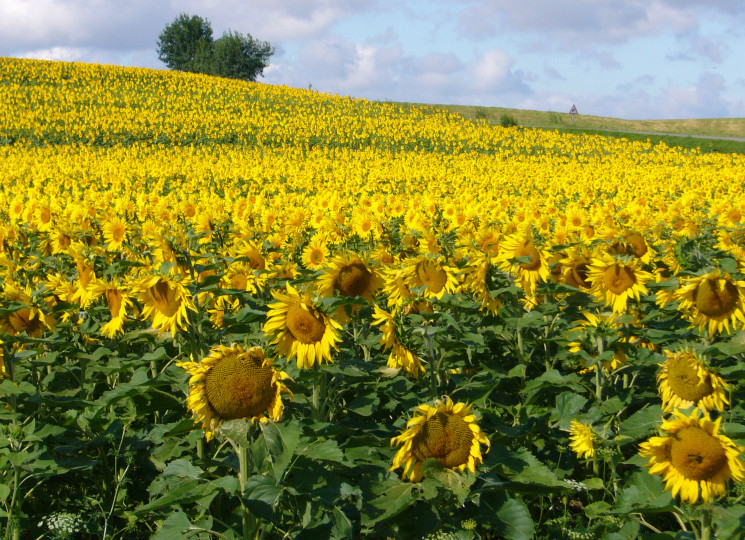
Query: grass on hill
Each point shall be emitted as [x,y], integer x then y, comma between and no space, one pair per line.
[692,133]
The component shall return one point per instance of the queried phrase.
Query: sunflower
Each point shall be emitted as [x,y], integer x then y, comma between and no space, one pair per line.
[733,241]
[694,459]
[233,383]
[583,439]
[476,281]
[348,274]
[713,301]
[115,233]
[167,301]
[533,270]
[315,253]
[3,371]
[634,244]
[615,282]
[300,329]
[395,287]
[446,432]
[574,267]
[29,318]
[118,300]
[686,382]
[432,275]
[400,357]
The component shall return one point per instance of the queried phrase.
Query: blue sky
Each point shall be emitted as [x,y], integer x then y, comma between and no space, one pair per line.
[632,59]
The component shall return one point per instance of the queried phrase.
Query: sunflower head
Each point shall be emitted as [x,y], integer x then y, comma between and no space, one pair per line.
[351,276]
[614,281]
[233,383]
[446,432]
[714,301]
[583,440]
[685,381]
[432,275]
[694,459]
[300,329]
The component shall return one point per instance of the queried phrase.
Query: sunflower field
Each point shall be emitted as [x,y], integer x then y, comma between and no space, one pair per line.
[235,310]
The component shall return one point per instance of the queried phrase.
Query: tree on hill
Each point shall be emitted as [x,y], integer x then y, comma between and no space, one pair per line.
[184,44]
[187,45]
[240,56]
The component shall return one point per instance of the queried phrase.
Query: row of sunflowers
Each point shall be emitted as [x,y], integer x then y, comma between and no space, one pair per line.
[251,310]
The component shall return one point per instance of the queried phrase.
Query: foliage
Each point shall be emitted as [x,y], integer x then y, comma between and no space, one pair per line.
[239,56]
[507,120]
[186,44]
[201,212]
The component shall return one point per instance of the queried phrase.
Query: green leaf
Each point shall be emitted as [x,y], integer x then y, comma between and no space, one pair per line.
[729,521]
[568,405]
[364,405]
[324,450]
[457,483]
[553,378]
[515,516]
[342,523]
[184,468]
[281,441]
[392,502]
[188,492]
[4,492]
[736,345]
[643,493]
[174,526]
[522,467]
[262,494]
[640,424]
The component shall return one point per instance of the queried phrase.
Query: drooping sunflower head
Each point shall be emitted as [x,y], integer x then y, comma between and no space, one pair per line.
[685,381]
[433,275]
[166,301]
[694,459]
[300,329]
[447,432]
[714,301]
[233,383]
[632,243]
[574,267]
[533,269]
[583,440]
[351,276]
[614,281]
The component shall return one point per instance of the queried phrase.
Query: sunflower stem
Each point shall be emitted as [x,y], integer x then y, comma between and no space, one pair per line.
[434,368]
[250,526]
[598,375]
[706,524]
[319,391]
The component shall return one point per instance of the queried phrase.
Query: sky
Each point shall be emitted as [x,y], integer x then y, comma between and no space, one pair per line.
[632,59]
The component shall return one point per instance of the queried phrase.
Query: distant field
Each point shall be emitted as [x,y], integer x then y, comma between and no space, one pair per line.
[718,127]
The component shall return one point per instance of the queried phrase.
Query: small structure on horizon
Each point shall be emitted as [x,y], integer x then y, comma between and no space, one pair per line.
[573,111]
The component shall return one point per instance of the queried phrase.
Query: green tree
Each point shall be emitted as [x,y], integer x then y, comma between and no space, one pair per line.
[186,43]
[239,56]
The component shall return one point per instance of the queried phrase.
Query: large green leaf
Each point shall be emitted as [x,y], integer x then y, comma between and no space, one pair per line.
[515,516]
[640,424]
[643,493]
[281,441]
[262,495]
[390,503]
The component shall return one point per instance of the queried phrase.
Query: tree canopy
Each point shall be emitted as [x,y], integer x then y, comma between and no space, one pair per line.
[186,44]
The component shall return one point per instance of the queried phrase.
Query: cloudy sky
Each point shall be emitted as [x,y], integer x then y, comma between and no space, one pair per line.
[630,59]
